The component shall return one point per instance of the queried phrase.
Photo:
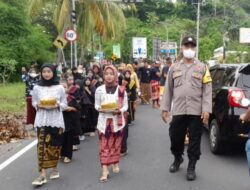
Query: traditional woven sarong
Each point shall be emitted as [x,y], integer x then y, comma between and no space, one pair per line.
[155,86]
[145,92]
[110,146]
[48,147]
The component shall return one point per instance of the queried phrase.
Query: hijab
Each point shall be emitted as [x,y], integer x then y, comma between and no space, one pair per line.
[130,68]
[53,81]
[115,72]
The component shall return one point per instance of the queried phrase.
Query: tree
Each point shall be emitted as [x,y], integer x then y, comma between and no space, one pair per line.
[7,68]
[105,18]
[18,36]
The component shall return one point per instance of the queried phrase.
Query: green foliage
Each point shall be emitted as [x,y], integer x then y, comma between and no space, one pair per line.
[19,39]
[7,68]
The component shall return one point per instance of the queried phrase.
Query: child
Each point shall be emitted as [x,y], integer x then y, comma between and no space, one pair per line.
[71,119]
[110,122]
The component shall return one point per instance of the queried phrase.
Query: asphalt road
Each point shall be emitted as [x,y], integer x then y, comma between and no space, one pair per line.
[144,168]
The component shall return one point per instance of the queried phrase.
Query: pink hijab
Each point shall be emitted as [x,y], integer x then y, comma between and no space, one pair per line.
[115,82]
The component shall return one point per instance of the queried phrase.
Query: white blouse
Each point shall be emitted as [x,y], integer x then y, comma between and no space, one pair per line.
[101,97]
[54,117]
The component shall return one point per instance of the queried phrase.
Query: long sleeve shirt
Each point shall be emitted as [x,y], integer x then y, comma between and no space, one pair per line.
[101,97]
[53,117]
[186,90]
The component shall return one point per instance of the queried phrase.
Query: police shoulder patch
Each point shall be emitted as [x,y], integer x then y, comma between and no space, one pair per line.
[207,76]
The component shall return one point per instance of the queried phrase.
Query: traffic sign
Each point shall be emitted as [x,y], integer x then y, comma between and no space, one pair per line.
[60,42]
[70,35]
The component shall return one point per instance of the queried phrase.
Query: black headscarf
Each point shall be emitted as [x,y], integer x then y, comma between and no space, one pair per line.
[53,81]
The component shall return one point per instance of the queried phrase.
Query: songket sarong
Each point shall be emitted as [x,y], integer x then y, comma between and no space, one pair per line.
[155,87]
[110,146]
[49,147]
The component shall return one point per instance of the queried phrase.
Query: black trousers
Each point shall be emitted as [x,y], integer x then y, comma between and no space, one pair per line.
[177,131]
[67,146]
[124,139]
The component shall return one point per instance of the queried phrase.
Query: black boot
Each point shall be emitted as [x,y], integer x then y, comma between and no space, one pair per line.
[191,175]
[176,165]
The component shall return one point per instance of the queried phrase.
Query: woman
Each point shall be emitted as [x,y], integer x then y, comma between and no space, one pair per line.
[155,84]
[97,75]
[88,108]
[126,84]
[134,86]
[111,122]
[31,80]
[49,99]
[71,119]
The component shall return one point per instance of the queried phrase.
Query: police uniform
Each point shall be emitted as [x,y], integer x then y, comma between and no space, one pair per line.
[188,94]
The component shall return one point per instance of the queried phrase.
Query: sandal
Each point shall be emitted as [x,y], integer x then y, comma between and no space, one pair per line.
[116,169]
[104,177]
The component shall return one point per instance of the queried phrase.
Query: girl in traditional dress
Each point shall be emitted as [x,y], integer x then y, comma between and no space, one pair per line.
[88,115]
[71,119]
[110,121]
[134,86]
[32,79]
[49,99]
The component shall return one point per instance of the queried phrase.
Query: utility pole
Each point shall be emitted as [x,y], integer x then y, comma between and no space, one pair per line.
[73,18]
[199,3]
[198,28]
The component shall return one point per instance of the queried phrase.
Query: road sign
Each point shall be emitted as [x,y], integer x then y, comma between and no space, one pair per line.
[139,47]
[60,42]
[244,35]
[70,35]
[117,51]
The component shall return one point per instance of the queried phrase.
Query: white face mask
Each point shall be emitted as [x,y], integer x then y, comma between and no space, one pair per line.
[87,82]
[33,75]
[189,53]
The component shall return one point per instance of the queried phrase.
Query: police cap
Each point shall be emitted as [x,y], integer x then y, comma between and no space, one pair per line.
[189,40]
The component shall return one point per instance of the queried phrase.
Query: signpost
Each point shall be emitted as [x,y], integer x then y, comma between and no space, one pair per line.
[245,35]
[60,42]
[139,47]
[71,36]
[117,51]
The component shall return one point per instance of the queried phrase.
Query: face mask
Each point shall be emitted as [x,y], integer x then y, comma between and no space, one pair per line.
[127,76]
[33,75]
[142,64]
[189,53]
[87,82]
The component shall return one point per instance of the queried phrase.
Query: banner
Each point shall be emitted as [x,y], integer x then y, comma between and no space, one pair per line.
[139,47]
[117,51]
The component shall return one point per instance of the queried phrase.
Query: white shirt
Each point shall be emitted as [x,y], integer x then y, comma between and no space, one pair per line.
[54,117]
[101,97]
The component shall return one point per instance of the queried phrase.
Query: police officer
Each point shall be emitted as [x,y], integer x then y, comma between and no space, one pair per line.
[188,95]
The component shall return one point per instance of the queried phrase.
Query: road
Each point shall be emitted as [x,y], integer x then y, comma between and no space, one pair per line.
[144,168]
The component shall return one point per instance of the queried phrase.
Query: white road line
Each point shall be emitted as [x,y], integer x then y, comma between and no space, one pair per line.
[17,155]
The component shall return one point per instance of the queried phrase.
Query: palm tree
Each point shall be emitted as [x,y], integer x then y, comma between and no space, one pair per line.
[101,17]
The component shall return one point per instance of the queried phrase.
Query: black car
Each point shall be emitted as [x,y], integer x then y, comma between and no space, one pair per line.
[231,85]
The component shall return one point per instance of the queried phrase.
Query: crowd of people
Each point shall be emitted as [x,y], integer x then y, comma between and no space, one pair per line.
[65,105]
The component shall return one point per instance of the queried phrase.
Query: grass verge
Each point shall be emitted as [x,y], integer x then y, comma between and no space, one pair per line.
[12,98]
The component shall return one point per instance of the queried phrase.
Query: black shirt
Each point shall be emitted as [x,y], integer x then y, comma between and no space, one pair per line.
[144,75]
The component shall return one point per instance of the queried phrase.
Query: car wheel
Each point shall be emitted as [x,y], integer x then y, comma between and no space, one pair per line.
[215,138]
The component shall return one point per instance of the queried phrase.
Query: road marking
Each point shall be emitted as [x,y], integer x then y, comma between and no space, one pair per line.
[17,155]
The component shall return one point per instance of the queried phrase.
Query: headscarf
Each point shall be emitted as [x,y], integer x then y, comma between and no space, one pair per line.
[115,82]
[53,81]
[130,68]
